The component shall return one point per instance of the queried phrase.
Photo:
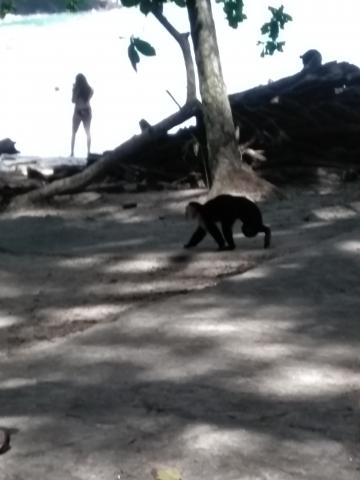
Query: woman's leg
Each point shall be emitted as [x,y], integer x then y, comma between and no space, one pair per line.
[75,126]
[87,123]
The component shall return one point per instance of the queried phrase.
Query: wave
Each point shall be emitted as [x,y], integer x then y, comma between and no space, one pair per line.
[36,20]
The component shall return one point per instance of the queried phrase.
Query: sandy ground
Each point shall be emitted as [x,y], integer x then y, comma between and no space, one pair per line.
[87,259]
[121,351]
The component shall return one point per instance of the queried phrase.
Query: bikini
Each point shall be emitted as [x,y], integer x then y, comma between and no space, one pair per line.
[83,112]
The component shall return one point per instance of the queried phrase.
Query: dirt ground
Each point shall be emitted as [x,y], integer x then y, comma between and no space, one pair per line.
[71,272]
[87,259]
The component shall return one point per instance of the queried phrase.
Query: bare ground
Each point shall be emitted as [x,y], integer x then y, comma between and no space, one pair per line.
[86,259]
[256,378]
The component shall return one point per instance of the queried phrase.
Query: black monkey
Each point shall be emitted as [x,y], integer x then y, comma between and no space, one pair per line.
[226,209]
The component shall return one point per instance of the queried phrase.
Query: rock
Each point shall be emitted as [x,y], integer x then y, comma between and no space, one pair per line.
[7,146]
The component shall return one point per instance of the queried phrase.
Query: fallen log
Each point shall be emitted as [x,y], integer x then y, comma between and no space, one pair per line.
[123,153]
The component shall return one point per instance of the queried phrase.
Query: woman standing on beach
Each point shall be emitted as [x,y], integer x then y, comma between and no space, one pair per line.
[81,95]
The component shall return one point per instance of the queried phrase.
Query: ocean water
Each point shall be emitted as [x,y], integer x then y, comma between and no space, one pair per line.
[41,54]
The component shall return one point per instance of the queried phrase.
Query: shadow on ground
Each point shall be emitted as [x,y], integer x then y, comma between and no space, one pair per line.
[255,378]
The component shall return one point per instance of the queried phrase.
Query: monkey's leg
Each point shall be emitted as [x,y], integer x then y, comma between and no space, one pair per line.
[196,237]
[216,234]
[227,229]
[267,238]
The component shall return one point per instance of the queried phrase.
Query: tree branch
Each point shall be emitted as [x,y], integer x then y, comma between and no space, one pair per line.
[183,41]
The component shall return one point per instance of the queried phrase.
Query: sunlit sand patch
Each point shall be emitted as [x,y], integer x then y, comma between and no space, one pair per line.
[81,262]
[334,212]
[210,329]
[87,312]
[307,380]
[18,382]
[349,246]
[261,272]
[242,325]
[139,265]
[223,440]
[6,320]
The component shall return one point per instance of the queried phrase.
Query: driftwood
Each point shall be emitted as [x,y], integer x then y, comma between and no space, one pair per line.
[308,120]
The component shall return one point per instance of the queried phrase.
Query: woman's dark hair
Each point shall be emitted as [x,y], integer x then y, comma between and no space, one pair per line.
[81,88]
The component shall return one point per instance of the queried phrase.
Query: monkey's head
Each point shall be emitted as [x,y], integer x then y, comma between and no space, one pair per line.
[311,59]
[193,210]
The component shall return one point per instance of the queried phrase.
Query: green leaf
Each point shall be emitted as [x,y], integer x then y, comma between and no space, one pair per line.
[144,47]
[73,5]
[233,10]
[180,3]
[6,7]
[146,6]
[272,30]
[133,56]
[130,3]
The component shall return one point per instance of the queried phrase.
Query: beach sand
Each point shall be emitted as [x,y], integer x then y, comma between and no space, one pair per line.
[84,259]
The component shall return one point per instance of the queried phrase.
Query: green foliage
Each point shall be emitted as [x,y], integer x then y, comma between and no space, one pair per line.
[272,30]
[180,3]
[144,47]
[234,11]
[139,46]
[133,56]
[6,6]
[146,6]
[72,5]
[130,3]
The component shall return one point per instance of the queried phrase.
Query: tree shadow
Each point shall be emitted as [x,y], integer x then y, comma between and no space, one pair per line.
[260,372]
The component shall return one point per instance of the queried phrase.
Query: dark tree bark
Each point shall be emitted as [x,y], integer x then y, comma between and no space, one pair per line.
[227,171]
[218,120]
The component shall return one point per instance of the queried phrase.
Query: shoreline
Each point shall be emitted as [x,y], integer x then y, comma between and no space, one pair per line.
[40,7]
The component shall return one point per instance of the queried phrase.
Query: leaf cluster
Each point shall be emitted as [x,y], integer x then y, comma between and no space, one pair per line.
[146,6]
[139,46]
[6,6]
[272,29]
[234,11]
[72,5]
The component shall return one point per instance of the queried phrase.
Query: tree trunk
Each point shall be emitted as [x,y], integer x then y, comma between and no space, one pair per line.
[227,172]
